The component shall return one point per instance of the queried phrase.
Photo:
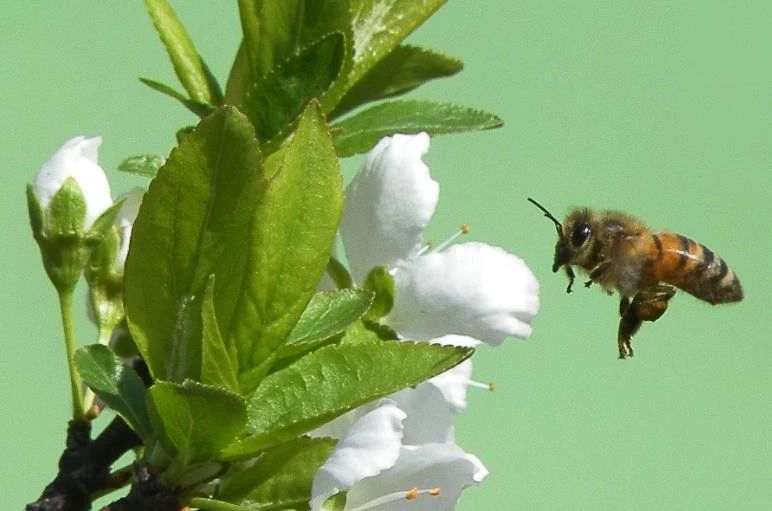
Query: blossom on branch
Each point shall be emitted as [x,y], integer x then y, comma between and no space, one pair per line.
[379,471]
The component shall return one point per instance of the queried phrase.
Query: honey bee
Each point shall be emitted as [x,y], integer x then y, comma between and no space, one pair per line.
[620,253]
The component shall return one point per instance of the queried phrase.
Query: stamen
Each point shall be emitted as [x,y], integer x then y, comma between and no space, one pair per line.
[480,385]
[411,494]
[427,247]
[463,230]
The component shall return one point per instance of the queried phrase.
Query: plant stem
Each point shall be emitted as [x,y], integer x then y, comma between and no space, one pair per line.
[68,324]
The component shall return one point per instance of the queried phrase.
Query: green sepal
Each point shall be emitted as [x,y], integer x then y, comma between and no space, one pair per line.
[280,478]
[339,273]
[66,213]
[360,132]
[117,384]
[105,285]
[197,107]
[194,421]
[58,229]
[104,223]
[336,503]
[380,282]
[35,212]
[333,380]
[145,165]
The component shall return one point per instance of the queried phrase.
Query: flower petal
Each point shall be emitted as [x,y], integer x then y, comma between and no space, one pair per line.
[388,204]
[77,158]
[371,446]
[452,385]
[125,221]
[441,465]
[429,416]
[470,289]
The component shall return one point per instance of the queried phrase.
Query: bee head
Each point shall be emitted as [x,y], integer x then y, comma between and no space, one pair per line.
[573,236]
[574,247]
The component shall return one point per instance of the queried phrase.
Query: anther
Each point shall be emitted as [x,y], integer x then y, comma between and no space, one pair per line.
[427,247]
[480,385]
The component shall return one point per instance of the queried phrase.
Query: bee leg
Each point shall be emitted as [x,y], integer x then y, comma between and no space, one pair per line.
[597,273]
[647,305]
[571,277]
[628,325]
[624,304]
[651,304]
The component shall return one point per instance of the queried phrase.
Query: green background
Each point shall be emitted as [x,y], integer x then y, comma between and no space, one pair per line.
[661,109]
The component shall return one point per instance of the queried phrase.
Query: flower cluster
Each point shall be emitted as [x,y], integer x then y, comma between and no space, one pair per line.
[81,230]
[465,294]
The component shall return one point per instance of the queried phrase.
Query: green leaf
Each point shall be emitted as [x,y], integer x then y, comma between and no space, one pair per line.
[328,313]
[276,100]
[275,31]
[195,421]
[280,478]
[332,380]
[381,283]
[400,71]
[116,384]
[188,65]
[359,133]
[197,107]
[217,366]
[145,165]
[379,26]
[290,245]
[191,225]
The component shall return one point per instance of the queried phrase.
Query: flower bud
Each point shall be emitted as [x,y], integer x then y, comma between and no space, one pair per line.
[104,271]
[70,209]
[76,159]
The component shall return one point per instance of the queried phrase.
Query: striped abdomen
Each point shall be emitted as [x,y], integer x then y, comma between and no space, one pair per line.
[693,267]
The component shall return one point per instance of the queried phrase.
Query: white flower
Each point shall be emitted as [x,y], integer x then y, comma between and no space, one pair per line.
[471,289]
[388,204]
[461,295]
[381,472]
[125,222]
[77,159]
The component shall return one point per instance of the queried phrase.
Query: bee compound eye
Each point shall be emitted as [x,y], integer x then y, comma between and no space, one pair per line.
[580,233]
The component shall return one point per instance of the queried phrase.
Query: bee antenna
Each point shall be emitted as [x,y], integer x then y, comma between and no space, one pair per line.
[549,215]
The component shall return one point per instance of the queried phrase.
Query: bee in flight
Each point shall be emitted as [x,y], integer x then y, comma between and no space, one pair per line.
[620,253]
